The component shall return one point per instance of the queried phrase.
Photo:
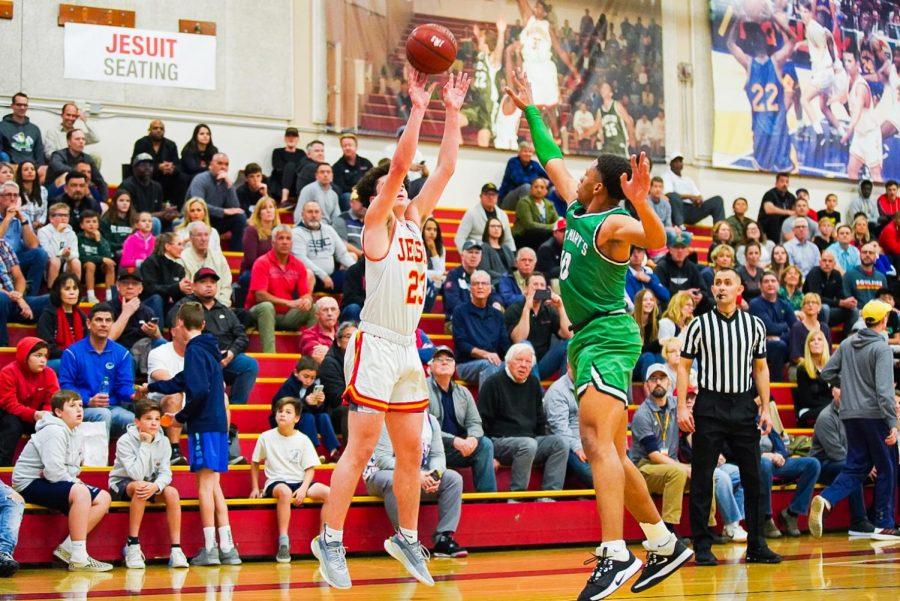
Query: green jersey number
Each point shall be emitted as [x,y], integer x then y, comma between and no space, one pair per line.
[564,261]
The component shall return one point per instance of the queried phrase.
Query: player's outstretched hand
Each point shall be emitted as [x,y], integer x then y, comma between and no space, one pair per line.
[454,92]
[519,89]
[418,93]
[637,188]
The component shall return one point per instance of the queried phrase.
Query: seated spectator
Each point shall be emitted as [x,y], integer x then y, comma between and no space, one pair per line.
[802,253]
[826,236]
[305,171]
[318,338]
[46,474]
[826,281]
[721,235]
[663,209]
[722,257]
[62,322]
[890,239]
[100,371]
[751,271]
[893,323]
[640,277]
[479,333]
[139,245]
[220,195]
[63,161]
[253,189]
[147,194]
[437,483]
[465,444]
[348,169]
[115,223]
[739,221]
[166,164]
[688,205]
[349,224]
[475,220]
[829,447]
[195,209]
[538,320]
[60,243]
[675,319]
[303,385]
[535,216]
[96,256]
[812,393]
[6,171]
[496,259]
[331,375]
[801,212]
[584,129]
[239,369]
[284,159]
[257,241]
[780,261]
[646,315]
[76,196]
[778,317]
[16,230]
[561,413]
[512,413]
[888,203]
[20,139]
[752,233]
[862,231]
[677,273]
[808,321]
[164,362]
[12,509]
[280,293]
[863,281]
[776,206]
[512,286]
[456,289]
[520,171]
[164,278]
[200,254]
[34,196]
[134,320]
[845,253]
[354,295]
[321,192]
[434,250]
[26,385]
[15,306]
[549,254]
[791,287]
[54,138]
[320,249]
[197,154]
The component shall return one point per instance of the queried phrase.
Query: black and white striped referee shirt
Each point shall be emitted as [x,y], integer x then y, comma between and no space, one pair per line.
[725,349]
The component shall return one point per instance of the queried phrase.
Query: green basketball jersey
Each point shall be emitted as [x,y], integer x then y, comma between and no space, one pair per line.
[589,282]
[614,137]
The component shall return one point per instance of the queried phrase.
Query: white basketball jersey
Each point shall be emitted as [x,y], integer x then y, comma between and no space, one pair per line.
[395,285]
[867,121]
[536,43]
[819,56]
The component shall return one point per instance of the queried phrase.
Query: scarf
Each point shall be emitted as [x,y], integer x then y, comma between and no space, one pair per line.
[65,335]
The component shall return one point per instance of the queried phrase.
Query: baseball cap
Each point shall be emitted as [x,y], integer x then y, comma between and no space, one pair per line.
[470,244]
[206,272]
[442,350]
[127,274]
[488,187]
[292,131]
[655,368]
[874,311]
[680,240]
[560,225]
[143,157]
[675,154]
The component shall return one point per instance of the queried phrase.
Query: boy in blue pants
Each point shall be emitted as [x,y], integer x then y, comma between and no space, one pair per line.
[205,420]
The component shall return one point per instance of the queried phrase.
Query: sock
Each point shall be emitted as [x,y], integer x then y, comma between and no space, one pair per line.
[209,537]
[410,536]
[284,540]
[226,543]
[67,544]
[330,535]
[658,536]
[79,551]
[615,548]
[133,540]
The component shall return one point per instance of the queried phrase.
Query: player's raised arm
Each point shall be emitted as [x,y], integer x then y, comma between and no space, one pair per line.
[547,151]
[647,231]
[453,94]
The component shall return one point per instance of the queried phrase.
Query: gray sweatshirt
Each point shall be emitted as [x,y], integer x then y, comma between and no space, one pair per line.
[53,241]
[217,194]
[863,368]
[561,410]
[829,436]
[473,223]
[319,249]
[433,457]
[54,453]
[142,461]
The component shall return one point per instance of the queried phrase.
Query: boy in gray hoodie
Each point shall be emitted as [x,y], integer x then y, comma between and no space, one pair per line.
[863,369]
[142,471]
[59,241]
[46,474]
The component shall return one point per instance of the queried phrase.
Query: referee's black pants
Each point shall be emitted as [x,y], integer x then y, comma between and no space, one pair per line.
[719,418]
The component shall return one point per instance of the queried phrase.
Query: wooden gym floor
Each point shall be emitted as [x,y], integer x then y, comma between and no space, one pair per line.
[830,568]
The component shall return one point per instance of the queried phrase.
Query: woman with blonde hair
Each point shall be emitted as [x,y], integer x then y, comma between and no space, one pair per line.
[861,233]
[195,209]
[812,393]
[646,314]
[676,317]
[808,321]
[257,241]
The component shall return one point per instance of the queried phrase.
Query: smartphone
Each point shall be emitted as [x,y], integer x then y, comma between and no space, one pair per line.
[318,388]
[435,475]
[542,295]
[154,320]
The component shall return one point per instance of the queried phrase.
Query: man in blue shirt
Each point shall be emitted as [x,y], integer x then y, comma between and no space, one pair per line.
[521,170]
[16,229]
[100,370]
[639,277]
[479,333]
[778,317]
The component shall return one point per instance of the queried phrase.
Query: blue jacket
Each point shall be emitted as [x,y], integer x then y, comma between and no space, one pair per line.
[82,369]
[203,386]
[474,327]
[778,316]
[517,174]
[508,290]
[633,286]
[456,290]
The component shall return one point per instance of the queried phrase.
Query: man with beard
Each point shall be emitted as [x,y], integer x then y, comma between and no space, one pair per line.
[863,281]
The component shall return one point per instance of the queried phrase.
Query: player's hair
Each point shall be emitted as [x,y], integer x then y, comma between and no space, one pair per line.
[610,168]
[145,406]
[191,315]
[367,186]
[288,400]
[306,363]
[61,397]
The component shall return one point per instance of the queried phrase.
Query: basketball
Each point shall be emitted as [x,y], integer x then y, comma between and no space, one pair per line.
[431,48]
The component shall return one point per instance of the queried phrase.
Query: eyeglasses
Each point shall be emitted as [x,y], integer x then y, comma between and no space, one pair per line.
[657,378]
[473,284]
[59,214]
[9,194]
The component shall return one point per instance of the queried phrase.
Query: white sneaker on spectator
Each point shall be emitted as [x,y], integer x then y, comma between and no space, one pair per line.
[92,297]
[134,557]
[177,558]
[735,532]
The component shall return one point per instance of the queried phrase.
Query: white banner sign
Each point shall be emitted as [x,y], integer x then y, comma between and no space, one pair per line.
[140,56]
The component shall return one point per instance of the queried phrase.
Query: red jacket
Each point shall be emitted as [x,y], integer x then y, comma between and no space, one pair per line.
[887,208]
[312,337]
[22,392]
[890,239]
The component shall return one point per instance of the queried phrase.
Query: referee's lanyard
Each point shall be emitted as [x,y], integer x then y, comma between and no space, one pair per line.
[665,430]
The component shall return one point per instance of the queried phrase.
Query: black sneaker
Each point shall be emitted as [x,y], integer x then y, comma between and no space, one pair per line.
[705,558]
[608,575]
[659,566]
[177,457]
[445,546]
[8,565]
[862,528]
[764,555]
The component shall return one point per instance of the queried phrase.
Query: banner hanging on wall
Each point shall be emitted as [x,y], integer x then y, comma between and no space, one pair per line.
[807,86]
[140,56]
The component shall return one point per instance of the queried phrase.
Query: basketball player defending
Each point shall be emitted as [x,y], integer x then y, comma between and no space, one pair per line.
[606,345]
[385,382]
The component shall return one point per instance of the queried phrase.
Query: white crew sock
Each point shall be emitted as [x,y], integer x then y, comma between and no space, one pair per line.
[226,543]
[79,551]
[658,536]
[615,548]
[209,537]
[330,535]
[410,536]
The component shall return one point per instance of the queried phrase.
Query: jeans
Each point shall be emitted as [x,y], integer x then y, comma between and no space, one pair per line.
[116,418]
[553,361]
[481,461]
[802,470]
[267,320]
[241,375]
[157,226]
[315,424]
[688,212]
[477,370]
[157,305]
[236,224]
[839,315]
[33,262]
[521,452]
[866,448]
[580,469]
[344,201]
[449,497]
[777,358]
[830,471]
[10,311]
[11,511]
[337,279]
[350,313]
[241,288]
[729,493]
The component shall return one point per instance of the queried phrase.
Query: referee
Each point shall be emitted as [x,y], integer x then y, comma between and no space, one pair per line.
[730,349]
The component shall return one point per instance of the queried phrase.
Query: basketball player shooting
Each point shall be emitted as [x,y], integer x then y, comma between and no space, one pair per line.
[606,344]
[385,382]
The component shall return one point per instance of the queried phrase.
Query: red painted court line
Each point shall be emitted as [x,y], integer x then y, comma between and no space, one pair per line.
[264,586]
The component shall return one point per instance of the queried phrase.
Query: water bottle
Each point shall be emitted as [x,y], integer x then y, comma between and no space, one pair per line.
[104,386]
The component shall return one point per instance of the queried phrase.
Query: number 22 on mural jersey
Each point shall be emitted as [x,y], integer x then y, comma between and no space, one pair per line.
[769,94]
[415,289]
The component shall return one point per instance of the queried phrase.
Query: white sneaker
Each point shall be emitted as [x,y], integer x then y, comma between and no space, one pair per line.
[134,557]
[735,532]
[91,565]
[92,297]
[177,558]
